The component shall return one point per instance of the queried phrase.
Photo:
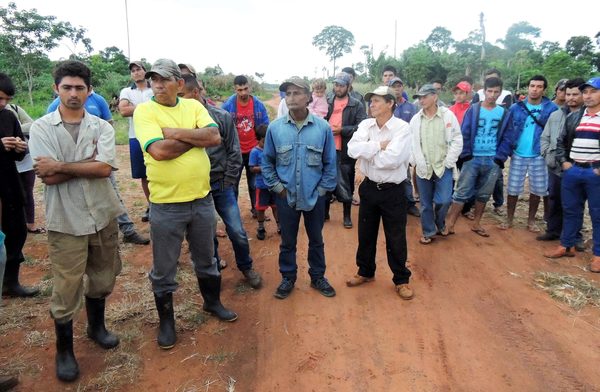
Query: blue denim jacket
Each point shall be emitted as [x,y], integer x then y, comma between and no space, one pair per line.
[303,161]
[518,115]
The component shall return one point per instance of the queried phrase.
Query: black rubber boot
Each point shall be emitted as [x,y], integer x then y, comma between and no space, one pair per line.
[166,329]
[12,287]
[8,382]
[96,330]
[210,287]
[66,364]
[347,215]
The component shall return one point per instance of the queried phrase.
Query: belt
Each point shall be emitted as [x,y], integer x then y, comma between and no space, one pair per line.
[585,165]
[381,185]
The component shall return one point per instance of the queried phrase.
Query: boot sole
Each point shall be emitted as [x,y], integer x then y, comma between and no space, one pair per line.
[167,347]
[222,319]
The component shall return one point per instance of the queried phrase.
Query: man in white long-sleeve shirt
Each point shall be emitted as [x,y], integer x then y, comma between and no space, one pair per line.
[382,146]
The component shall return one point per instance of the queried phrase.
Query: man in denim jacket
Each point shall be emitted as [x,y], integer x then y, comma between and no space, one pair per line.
[299,165]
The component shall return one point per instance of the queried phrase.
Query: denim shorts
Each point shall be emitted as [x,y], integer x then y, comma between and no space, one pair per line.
[136,157]
[537,171]
[477,178]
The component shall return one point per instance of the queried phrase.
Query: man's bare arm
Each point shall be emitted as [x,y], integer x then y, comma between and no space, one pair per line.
[48,167]
[163,150]
[200,137]
[126,108]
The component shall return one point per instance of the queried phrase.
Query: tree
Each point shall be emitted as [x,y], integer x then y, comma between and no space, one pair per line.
[26,37]
[519,37]
[440,39]
[549,47]
[579,47]
[335,41]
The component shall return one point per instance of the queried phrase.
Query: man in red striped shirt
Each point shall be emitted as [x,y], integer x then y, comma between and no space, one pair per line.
[578,153]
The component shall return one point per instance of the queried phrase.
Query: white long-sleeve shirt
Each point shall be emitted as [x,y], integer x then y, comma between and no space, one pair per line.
[389,165]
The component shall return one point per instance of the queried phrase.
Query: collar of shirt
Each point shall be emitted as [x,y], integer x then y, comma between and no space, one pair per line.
[56,118]
[588,114]
[438,113]
[308,119]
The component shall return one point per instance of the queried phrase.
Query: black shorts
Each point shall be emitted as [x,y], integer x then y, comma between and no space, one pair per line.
[264,199]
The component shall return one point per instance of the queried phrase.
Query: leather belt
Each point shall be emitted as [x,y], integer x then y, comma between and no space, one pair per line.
[381,185]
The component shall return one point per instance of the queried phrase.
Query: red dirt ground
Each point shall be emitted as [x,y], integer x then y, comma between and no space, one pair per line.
[477,322]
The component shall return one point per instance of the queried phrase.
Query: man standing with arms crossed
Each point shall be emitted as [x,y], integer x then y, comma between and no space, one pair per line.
[74,155]
[173,133]
[248,113]
[299,165]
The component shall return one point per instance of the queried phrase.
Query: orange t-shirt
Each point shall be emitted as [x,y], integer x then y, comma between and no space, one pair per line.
[336,118]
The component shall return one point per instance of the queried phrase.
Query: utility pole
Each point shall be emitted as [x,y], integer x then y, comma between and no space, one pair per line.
[395,35]
[127,24]
[482,26]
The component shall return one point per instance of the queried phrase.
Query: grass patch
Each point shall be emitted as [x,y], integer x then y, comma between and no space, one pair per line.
[36,339]
[575,291]
[19,364]
[121,126]
[242,287]
[220,356]
[122,366]
[30,261]
[191,314]
[20,314]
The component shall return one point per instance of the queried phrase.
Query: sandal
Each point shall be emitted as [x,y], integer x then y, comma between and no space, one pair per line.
[425,240]
[480,231]
[37,230]
[534,228]
[504,226]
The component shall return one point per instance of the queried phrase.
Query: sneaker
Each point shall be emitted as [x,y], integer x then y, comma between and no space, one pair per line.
[414,211]
[253,278]
[135,238]
[261,233]
[404,291]
[323,286]
[285,288]
[357,280]
[146,216]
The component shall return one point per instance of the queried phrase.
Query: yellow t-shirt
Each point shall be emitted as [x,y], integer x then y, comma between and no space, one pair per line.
[186,177]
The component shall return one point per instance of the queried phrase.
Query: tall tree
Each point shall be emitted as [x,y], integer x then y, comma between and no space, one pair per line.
[335,41]
[440,39]
[26,37]
[519,36]
[580,46]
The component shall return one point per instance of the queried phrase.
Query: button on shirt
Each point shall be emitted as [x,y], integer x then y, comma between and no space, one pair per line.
[389,165]
[433,143]
[300,158]
[79,206]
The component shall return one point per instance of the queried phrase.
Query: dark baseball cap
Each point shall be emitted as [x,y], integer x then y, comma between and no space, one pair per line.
[294,81]
[426,89]
[138,63]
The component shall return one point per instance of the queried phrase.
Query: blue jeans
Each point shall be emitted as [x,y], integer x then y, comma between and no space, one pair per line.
[227,208]
[250,181]
[289,219]
[578,185]
[436,197]
[477,180]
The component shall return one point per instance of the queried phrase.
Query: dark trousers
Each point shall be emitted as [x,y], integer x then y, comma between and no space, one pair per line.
[289,220]
[578,185]
[389,205]
[28,180]
[15,228]
[250,180]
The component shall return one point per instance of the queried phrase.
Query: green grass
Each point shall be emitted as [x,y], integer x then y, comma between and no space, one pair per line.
[121,125]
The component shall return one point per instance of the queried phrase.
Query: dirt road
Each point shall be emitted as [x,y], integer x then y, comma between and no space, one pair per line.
[477,322]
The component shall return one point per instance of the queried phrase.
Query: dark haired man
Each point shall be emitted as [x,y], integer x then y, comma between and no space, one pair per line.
[382,146]
[578,153]
[81,211]
[299,165]
[248,113]
[351,91]
[13,148]
[548,140]
[505,98]
[486,146]
[225,163]
[344,114]
[173,133]
[528,120]
[129,98]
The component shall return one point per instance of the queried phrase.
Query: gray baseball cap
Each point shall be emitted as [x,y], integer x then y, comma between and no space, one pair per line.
[165,68]
[395,79]
[426,89]
[138,63]
[296,81]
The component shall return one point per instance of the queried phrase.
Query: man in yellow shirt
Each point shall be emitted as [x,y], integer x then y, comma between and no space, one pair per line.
[173,133]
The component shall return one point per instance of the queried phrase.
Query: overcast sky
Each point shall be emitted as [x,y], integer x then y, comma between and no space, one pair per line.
[275,37]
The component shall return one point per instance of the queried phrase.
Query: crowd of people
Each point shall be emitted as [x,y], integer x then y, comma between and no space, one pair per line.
[189,156]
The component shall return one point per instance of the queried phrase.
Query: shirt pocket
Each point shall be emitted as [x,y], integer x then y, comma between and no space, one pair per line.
[284,155]
[314,156]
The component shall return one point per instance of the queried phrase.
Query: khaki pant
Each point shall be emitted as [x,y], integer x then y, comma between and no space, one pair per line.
[72,257]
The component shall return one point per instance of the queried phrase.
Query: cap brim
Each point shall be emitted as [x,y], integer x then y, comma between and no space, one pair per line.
[137,65]
[150,73]
[368,96]
[339,81]
[583,86]
[283,87]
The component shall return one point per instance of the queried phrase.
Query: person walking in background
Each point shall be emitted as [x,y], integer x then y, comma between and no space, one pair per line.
[436,145]
[299,166]
[248,113]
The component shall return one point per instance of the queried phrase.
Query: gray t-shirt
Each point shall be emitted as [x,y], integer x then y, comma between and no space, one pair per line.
[73,129]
